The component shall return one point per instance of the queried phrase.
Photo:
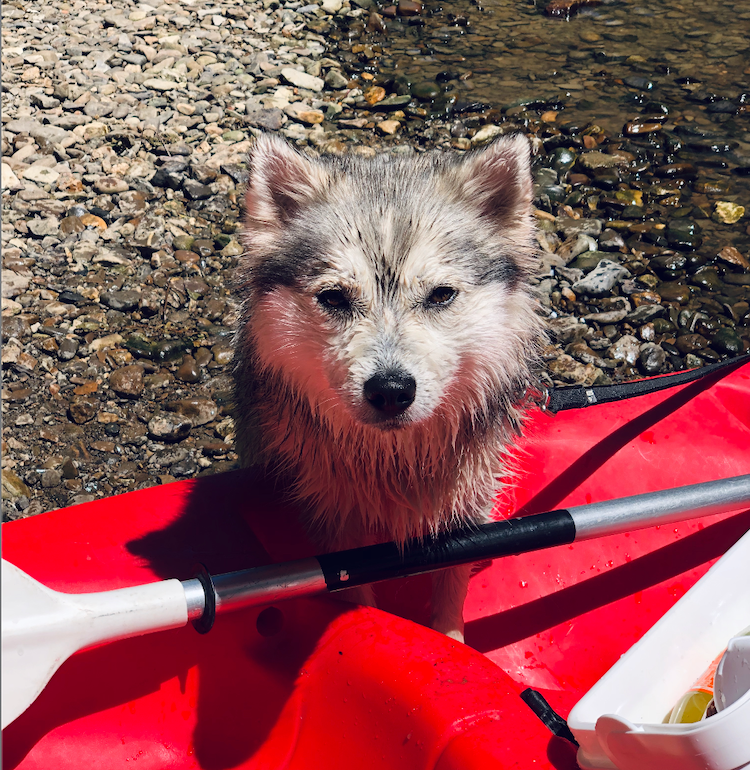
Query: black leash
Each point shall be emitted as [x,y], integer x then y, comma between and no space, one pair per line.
[579,396]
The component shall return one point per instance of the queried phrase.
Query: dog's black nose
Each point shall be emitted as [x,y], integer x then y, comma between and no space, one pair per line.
[391,392]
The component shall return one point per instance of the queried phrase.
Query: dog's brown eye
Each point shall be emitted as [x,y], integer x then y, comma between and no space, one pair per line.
[334,299]
[442,296]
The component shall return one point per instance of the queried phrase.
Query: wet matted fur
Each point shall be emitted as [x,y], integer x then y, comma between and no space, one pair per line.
[386,338]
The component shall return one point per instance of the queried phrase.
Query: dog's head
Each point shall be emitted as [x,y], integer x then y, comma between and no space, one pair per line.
[391,289]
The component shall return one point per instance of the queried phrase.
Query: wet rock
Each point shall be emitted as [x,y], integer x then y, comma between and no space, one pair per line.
[572,372]
[732,256]
[726,340]
[651,358]
[189,371]
[689,343]
[183,468]
[595,159]
[588,260]
[627,349]
[602,279]
[127,381]
[728,213]
[674,291]
[683,233]
[610,240]
[169,426]
[575,227]
[613,311]
[578,243]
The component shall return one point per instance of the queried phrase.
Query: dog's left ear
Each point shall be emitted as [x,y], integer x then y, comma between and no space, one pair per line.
[498,180]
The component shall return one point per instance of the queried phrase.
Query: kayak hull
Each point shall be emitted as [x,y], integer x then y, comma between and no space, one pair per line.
[318,682]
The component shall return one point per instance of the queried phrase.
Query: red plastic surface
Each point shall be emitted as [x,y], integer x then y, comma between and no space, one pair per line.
[318,684]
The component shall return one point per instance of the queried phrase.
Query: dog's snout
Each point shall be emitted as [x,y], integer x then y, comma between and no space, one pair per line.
[391,392]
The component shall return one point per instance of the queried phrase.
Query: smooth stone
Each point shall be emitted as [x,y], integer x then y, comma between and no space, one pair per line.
[636,128]
[110,184]
[645,314]
[169,426]
[486,133]
[41,174]
[271,119]
[651,358]
[595,159]
[589,260]
[572,372]
[374,94]
[570,226]
[610,240]
[707,278]
[199,411]
[189,371]
[726,340]
[575,245]
[127,381]
[426,91]
[388,127]
[123,301]
[728,213]
[393,102]
[673,291]
[689,343]
[731,255]
[627,349]
[335,80]
[302,79]
[602,279]
[67,349]
[614,311]
[160,84]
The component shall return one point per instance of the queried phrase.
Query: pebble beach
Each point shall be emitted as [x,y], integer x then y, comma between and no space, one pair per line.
[125,131]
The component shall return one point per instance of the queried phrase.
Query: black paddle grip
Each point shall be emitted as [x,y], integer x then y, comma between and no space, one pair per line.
[373,563]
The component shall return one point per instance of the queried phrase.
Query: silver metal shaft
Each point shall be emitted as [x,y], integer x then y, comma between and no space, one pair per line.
[656,508]
[263,585]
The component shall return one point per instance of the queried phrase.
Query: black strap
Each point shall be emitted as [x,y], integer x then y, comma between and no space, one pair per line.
[549,717]
[580,396]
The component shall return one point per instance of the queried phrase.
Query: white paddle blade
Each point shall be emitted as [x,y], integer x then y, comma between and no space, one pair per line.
[42,628]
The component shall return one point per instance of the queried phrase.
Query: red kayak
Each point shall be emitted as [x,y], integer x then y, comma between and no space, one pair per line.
[318,683]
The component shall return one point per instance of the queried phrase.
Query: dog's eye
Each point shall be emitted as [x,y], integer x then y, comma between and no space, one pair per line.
[441,296]
[334,299]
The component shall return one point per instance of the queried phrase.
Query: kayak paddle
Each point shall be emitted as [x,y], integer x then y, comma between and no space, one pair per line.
[41,628]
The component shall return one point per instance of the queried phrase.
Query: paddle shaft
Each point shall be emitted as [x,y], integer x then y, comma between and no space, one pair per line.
[370,564]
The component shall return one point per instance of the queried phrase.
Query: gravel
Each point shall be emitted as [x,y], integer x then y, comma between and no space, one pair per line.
[125,129]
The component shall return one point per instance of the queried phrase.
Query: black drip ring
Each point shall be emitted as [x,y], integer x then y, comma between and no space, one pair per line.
[205,622]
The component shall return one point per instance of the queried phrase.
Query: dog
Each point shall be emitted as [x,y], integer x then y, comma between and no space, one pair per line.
[387,334]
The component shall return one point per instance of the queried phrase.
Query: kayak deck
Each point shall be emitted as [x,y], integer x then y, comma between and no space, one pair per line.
[317,682]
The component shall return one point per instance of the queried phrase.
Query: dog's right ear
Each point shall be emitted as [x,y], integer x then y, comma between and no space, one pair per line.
[281,181]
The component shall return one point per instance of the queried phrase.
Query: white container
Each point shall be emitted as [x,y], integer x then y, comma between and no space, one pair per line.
[619,722]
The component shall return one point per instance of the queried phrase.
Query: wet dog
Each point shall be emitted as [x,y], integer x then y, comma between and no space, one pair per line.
[387,335]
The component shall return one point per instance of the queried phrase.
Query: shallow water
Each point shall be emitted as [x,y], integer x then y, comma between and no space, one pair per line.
[596,65]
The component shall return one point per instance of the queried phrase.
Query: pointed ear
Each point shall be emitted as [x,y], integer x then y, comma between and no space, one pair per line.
[498,180]
[281,180]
